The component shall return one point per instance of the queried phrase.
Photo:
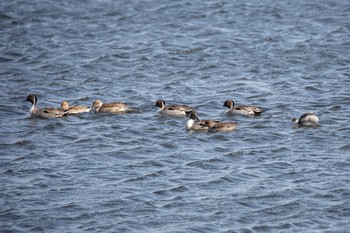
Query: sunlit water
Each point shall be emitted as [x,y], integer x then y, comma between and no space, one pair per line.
[145,173]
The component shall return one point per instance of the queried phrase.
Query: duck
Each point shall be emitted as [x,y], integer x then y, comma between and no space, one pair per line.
[74,109]
[114,107]
[221,126]
[194,124]
[173,110]
[247,110]
[48,112]
[307,119]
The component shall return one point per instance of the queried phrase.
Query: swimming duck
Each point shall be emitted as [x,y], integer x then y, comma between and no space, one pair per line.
[247,110]
[221,126]
[74,109]
[173,110]
[114,107]
[307,119]
[195,124]
[48,112]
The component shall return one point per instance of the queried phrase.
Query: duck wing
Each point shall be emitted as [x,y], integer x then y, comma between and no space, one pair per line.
[54,112]
[250,108]
[179,107]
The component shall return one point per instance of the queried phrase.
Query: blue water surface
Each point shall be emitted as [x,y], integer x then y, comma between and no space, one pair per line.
[142,172]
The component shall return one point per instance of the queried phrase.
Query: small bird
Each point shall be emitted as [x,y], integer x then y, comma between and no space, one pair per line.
[247,110]
[48,112]
[74,109]
[173,110]
[307,119]
[194,124]
[221,126]
[114,107]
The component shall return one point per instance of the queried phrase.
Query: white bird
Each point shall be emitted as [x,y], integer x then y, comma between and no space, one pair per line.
[173,110]
[194,124]
[247,110]
[307,119]
[48,112]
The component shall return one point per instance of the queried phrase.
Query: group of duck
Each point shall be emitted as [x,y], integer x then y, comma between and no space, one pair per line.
[193,124]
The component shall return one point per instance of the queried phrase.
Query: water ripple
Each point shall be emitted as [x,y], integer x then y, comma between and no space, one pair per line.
[143,172]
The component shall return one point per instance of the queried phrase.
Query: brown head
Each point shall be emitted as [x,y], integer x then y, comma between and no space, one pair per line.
[32,98]
[97,104]
[229,104]
[192,114]
[160,103]
[64,105]
[295,120]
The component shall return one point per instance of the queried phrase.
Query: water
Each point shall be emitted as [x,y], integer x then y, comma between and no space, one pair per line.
[145,173]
